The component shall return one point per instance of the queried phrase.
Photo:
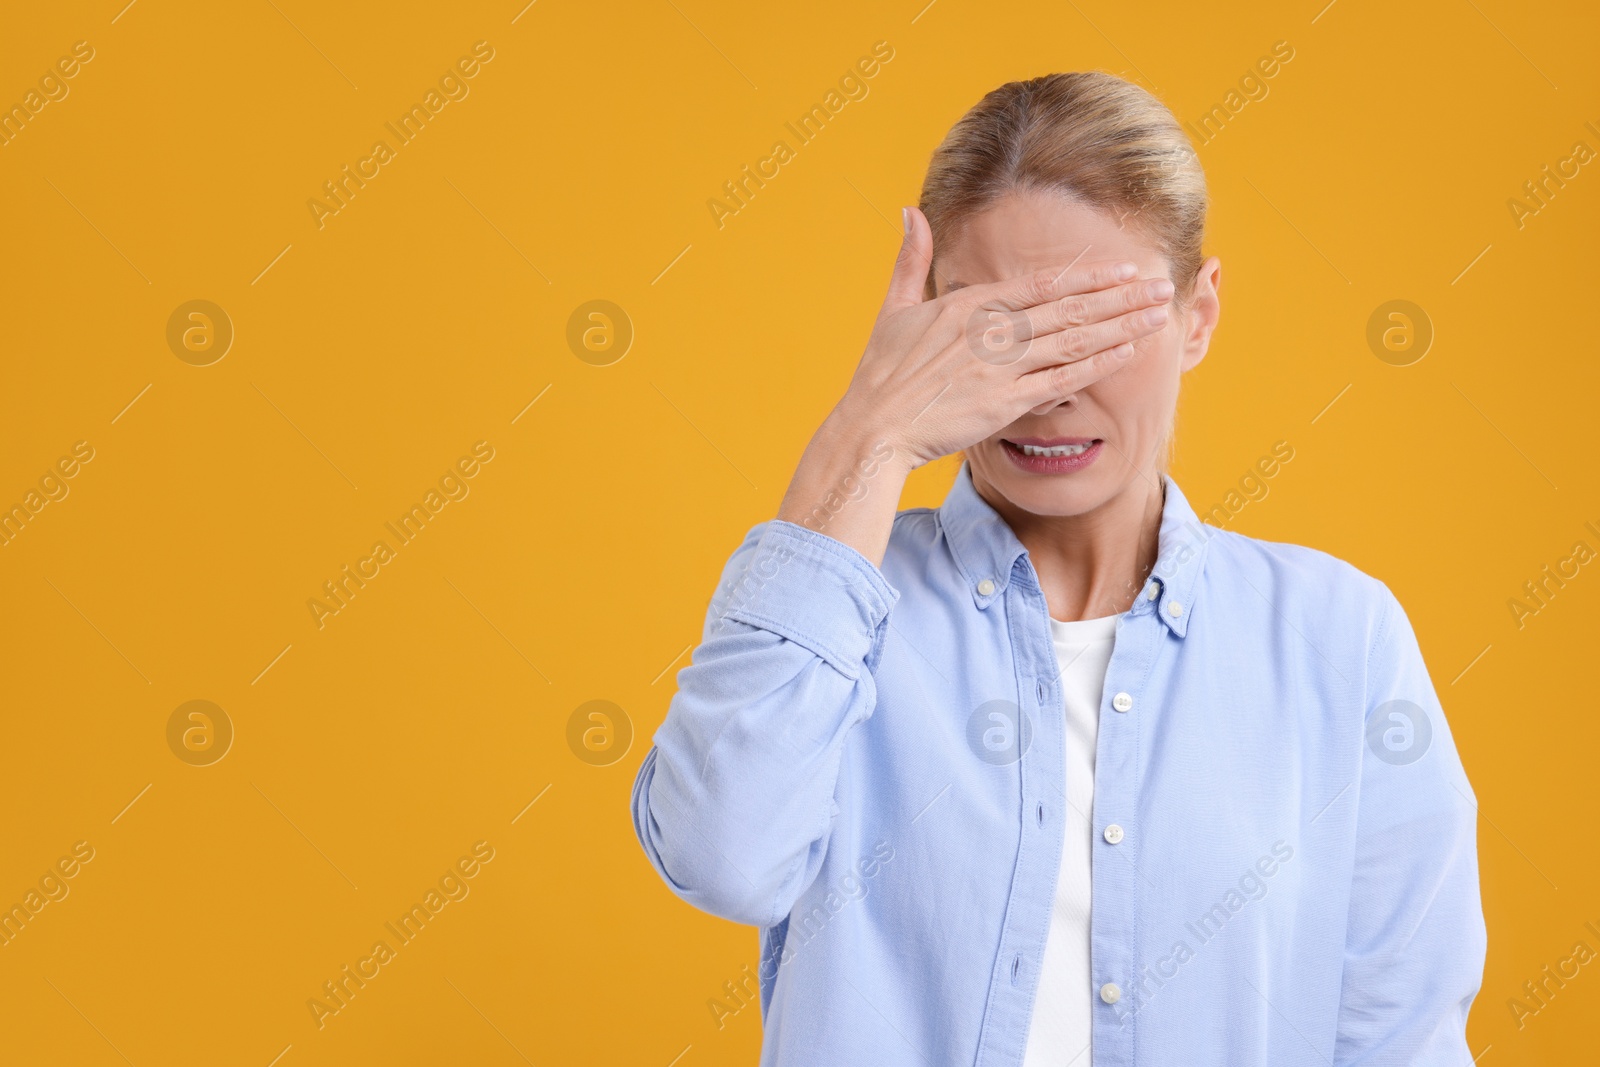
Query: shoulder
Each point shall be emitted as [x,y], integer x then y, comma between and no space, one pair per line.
[1301,582]
[1231,549]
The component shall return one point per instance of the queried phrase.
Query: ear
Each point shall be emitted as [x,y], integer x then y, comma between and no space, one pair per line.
[1205,309]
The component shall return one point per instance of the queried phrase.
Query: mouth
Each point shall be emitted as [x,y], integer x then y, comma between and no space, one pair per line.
[1052,455]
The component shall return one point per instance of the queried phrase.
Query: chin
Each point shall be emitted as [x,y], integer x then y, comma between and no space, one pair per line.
[1057,495]
[1068,497]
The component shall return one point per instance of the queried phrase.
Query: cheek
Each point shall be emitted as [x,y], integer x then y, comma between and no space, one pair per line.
[1161,345]
[1156,358]
[1144,390]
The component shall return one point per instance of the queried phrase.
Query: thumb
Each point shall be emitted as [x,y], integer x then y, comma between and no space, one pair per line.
[907,284]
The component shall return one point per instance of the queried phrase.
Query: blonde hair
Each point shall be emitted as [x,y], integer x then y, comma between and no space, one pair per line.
[1088,135]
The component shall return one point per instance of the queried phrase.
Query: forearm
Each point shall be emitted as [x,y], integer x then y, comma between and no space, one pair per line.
[1415,941]
[847,486]
[732,802]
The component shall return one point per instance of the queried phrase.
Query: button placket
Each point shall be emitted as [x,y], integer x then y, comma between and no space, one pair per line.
[1115,949]
[1024,925]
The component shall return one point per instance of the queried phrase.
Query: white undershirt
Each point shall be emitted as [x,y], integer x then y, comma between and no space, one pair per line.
[1058,1035]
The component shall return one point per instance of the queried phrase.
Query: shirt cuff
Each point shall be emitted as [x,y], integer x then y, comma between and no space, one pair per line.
[813,590]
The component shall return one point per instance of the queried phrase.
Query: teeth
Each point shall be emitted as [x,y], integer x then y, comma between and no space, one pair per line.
[1055,450]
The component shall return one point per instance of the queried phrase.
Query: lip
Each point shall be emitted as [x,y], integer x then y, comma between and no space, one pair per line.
[1051,464]
[1050,442]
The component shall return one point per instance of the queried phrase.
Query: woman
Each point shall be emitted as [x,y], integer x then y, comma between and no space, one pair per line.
[914,746]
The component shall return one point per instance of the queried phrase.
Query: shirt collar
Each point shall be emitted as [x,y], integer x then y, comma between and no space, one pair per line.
[986,551]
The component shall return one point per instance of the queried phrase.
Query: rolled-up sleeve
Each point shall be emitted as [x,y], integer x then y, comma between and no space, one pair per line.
[735,800]
[1415,939]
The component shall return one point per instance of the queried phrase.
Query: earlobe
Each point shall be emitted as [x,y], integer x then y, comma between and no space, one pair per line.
[1204,313]
[1198,342]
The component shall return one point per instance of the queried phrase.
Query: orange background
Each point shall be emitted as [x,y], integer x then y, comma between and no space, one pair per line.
[428,714]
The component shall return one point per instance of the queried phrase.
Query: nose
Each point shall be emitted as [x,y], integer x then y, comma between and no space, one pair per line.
[1050,405]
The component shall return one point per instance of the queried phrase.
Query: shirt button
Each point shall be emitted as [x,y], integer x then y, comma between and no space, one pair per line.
[1110,993]
[1113,833]
[1152,592]
[1174,609]
[985,587]
[1122,702]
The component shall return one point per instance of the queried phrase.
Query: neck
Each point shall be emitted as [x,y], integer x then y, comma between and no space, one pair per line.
[1094,564]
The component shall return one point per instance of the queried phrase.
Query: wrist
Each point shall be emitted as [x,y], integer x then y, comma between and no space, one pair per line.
[857,444]
[847,486]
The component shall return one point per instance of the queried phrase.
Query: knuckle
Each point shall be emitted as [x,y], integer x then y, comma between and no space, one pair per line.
[1041,285]
[903,265]
[952,316]
[1073,343]
[1074,311]
[1021,325]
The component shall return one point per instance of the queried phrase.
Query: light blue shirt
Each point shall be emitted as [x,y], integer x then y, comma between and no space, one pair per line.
[867,763]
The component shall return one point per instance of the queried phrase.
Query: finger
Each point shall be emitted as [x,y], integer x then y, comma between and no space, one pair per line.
[1004,338]
[1084,309]
[1052,383]
[1080,342]
[1052,283]
[910,277]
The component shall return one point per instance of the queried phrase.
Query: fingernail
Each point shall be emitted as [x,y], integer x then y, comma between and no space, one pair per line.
[905,219]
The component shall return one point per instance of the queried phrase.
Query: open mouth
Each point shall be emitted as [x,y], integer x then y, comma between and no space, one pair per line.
[1052,456]
[1076,449]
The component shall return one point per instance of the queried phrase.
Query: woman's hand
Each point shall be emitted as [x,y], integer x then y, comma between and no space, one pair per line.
[941,375]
